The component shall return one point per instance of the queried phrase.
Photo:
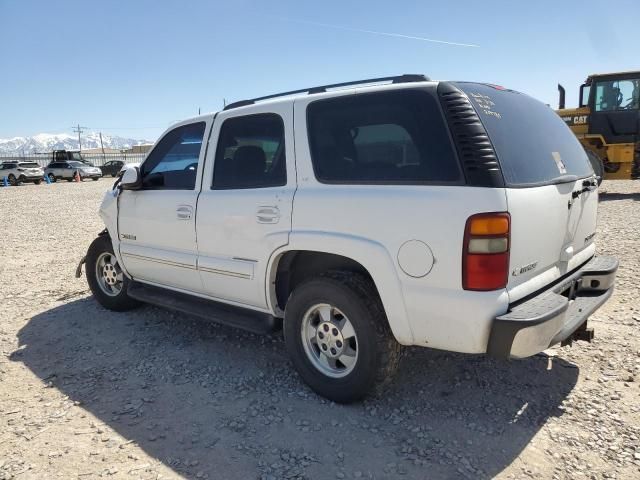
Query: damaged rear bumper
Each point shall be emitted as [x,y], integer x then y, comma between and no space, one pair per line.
[556,315]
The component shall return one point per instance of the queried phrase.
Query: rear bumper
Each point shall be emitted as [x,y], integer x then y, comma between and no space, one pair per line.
[555,315]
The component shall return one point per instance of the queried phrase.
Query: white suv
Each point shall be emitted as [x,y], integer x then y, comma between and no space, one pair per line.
[21,172]
[456,216]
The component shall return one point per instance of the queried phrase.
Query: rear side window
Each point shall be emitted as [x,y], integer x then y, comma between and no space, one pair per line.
[533,144]
[173,163]
[29,165]
[381,138]
[250,153]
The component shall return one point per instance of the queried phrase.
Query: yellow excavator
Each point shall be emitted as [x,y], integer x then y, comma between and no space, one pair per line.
[607,123]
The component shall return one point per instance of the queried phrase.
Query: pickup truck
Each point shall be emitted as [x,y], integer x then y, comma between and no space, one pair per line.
[363,217]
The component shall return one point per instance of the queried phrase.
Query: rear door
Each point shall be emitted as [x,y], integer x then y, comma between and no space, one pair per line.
[244,208]
[547,176]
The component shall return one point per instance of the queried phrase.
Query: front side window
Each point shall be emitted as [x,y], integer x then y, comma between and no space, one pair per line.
[173,163]
[386,138]
[613,95]
[250,153]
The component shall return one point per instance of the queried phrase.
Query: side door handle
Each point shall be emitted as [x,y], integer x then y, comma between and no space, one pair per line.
[184,212]
[268,214]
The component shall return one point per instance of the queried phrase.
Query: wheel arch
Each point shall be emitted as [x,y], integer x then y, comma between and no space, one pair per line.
[309,254]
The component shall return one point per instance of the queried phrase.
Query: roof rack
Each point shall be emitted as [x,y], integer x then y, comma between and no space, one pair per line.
[406,78]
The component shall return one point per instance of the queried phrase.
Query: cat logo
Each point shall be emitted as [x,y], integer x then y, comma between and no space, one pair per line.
[576,120]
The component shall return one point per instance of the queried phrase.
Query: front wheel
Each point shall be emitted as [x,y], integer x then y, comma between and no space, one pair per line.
[52,178]
[13,181]
[107,281]
[37,182]
[338,337]
[95,179]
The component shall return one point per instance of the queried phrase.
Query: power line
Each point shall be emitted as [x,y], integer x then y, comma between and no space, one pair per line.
[79,131]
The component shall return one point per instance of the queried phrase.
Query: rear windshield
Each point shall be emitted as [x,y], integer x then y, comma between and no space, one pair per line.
[29,165]
[533,144]
[394,137]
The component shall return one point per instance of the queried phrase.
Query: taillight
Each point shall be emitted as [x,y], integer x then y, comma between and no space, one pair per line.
[485,254]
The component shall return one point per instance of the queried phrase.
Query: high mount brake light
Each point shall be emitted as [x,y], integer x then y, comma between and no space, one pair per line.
[485,254]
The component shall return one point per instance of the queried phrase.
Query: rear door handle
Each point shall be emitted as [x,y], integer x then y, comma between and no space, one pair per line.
[184,212]
[268,214]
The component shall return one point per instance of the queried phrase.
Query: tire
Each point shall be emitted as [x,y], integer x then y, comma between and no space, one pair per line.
[37,182]
[70,179]
[113,297]
[13,181]
[113,175]
[353,298]
[95,179]
[596,164]
[52,178]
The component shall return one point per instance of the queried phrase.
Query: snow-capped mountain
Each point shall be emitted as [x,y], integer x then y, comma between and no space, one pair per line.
[46,142]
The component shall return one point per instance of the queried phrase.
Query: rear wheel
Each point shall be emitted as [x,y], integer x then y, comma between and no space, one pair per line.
[95,179]
[338,337]
[37,182]
[596,164]
[107,281]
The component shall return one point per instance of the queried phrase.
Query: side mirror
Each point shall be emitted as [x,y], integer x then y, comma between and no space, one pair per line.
[131,179]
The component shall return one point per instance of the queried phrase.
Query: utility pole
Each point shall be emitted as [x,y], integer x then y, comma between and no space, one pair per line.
[102,147]
[79,131]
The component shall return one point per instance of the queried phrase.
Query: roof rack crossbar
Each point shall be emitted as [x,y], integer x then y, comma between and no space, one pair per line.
[406,78]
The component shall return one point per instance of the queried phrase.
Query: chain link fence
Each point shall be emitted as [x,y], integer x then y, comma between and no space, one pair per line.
[97,159]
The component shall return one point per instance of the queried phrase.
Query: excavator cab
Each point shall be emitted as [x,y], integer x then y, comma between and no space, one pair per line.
[607,122]
[615,108]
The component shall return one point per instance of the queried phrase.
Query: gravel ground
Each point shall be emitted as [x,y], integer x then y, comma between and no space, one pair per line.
[88,393]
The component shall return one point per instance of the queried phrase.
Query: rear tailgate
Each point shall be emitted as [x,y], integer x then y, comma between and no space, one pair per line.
[549,187]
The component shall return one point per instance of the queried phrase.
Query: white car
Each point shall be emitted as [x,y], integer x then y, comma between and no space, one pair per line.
[66,170]
[21,172]
[450,215]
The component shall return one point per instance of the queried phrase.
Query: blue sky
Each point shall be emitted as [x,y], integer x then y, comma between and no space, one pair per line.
[132,67]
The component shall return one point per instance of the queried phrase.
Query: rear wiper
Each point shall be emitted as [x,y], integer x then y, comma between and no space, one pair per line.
[564,179]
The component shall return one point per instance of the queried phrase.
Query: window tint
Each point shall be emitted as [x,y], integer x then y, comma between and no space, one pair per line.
[29,165]
[395,137]
[251,153]
[173,163]
[532,142]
